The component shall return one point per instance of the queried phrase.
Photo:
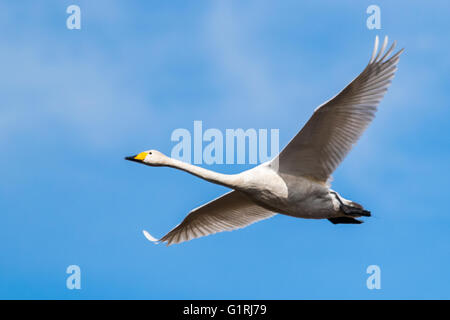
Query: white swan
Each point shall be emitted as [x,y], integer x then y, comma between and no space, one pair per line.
[295,183]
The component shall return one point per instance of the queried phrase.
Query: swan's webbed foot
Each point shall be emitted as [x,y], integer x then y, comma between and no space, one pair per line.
[354,212]
[344,220]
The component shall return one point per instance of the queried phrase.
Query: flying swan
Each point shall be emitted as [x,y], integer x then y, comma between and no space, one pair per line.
[296,182]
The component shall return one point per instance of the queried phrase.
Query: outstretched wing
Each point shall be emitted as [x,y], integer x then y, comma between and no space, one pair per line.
[337,124]
[231,211]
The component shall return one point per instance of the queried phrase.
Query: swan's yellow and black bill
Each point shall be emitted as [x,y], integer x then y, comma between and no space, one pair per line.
[137,158]
[132,158]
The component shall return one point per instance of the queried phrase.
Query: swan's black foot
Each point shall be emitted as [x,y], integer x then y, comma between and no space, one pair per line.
[354,211]
[344,220]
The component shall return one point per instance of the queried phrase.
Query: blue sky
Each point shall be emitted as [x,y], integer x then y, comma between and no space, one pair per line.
[75,102]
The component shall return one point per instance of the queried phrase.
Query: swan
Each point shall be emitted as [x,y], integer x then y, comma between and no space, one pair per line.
[297,181]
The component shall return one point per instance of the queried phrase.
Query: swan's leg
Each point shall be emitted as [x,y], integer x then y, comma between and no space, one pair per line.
[350,210]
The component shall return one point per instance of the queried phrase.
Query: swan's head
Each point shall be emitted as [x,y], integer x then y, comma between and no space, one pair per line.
[152,158]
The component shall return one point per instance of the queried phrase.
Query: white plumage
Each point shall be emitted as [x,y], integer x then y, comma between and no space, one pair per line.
[295,182]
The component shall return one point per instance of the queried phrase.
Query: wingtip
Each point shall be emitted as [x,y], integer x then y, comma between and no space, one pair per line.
[150,237]
[375,49]
[381,51]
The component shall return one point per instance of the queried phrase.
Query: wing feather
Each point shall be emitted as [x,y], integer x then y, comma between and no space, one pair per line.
[336,125]
[231,211]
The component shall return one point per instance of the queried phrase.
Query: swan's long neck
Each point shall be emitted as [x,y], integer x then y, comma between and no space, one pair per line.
[227,180]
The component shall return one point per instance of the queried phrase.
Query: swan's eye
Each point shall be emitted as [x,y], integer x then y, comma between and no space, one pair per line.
[149,153]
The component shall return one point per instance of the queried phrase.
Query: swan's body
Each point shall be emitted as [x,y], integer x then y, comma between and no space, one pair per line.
[288,194]
[296,182]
